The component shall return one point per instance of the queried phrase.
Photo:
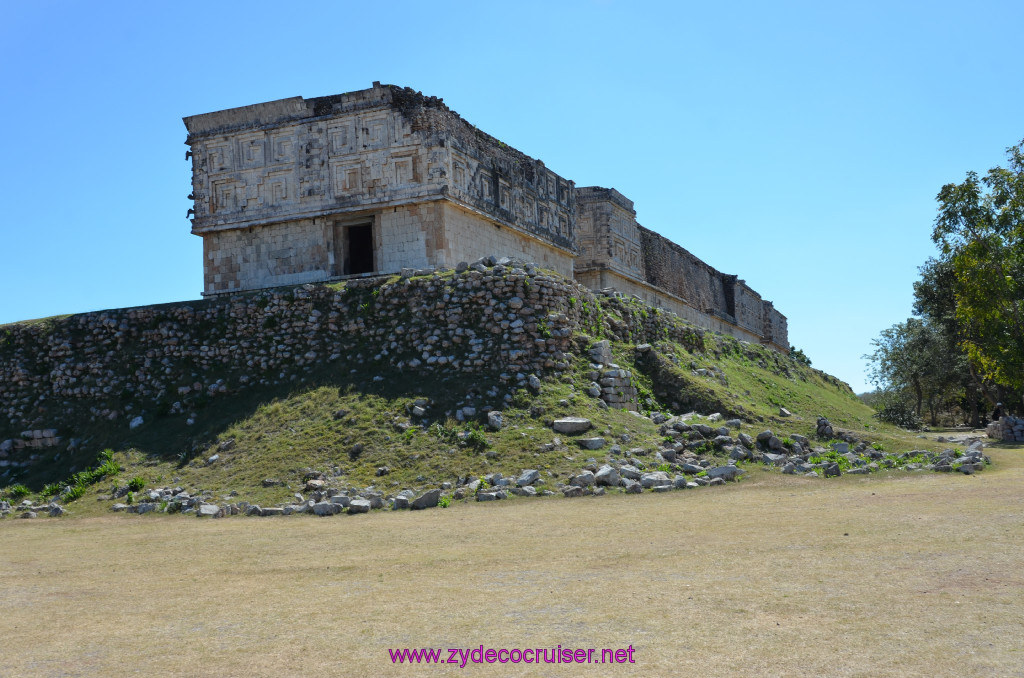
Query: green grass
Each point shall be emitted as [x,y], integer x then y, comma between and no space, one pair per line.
[346,424]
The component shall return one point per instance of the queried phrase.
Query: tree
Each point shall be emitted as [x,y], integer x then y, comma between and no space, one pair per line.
[935,302]
[980,232]
[917,358]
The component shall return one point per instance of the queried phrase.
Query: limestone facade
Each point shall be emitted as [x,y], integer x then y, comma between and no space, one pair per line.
[374,181]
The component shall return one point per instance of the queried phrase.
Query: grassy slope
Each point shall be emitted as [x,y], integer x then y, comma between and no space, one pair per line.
[315,424]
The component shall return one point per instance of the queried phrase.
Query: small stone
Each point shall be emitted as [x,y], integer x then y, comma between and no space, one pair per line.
[495,420]
[591,443]
[783,412]
[135,423]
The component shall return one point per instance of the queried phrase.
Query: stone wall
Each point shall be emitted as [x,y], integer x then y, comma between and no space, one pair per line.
[467,239]
[616,252]
[119,364]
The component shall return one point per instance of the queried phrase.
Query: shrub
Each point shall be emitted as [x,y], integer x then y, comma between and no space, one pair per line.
[444,502]
[137,484]
[900,414]
[50,489]
[73,492]
[476,439]
[18,491]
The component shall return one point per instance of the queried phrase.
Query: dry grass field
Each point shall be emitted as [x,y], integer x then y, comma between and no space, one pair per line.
[899,575]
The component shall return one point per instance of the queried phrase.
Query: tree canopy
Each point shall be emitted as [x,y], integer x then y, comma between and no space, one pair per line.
[980,233]
[967,341]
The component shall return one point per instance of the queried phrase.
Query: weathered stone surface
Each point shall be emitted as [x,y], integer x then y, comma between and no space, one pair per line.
[725,472]
[607,476]
[654,479]
[204,511]
[428,499]
[630,472]
[528,477]
[359,506]
[325,508]
[583,479]
[591,443]
[571,425]
[631,486]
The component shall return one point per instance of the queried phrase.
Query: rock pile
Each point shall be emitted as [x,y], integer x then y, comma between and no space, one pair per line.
[1008,428]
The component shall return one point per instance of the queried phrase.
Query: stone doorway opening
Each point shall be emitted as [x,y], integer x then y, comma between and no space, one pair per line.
[353,249]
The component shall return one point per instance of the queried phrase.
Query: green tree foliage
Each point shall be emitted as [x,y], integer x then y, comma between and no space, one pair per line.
[916,361]
[980,232]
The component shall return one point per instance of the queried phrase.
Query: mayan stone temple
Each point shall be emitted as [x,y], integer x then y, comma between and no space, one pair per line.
[384,179]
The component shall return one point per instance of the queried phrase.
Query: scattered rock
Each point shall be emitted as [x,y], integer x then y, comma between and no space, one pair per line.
[359,506]
[607,476]
[428,499]
[571,425]
[528,477]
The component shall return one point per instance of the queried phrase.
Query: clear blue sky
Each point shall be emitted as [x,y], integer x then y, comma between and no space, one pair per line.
[799,145]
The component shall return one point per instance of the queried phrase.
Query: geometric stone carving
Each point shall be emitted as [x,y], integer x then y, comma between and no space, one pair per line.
[250,150]
[219,157]
[345,177]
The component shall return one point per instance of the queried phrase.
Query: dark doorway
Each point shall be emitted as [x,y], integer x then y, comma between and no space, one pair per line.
[360,249]
[353,249]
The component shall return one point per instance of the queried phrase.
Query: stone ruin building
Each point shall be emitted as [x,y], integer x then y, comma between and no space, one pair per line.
[371,182]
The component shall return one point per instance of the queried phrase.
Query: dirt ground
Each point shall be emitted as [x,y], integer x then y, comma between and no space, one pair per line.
[911,574]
